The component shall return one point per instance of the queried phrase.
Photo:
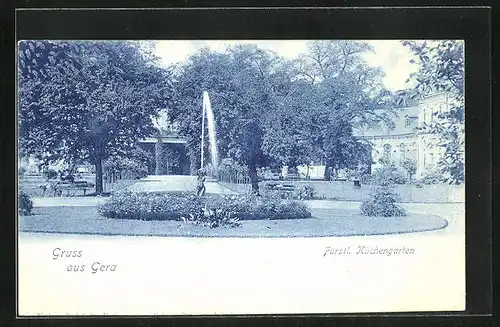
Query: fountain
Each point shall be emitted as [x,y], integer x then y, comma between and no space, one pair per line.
[183,183]
[208,113]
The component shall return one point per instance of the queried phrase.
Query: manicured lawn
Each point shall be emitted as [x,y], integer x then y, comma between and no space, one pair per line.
[345,191]
[30,184]
[325,222]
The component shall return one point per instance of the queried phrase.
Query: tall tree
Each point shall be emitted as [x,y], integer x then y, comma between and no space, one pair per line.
[441,69]
[204,71]
[269,110]
[347,93]
[234,81]
[87,100]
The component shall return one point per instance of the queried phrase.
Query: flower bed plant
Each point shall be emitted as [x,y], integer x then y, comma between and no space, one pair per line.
[382,202]
[186,206]
[25,203]
[292,192]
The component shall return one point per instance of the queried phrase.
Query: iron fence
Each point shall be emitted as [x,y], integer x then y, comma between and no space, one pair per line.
[111,180]
[234,178]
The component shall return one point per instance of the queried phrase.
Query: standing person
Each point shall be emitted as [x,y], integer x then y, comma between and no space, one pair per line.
[200,183]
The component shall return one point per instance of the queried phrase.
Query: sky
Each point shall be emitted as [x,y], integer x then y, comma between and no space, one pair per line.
[390,55]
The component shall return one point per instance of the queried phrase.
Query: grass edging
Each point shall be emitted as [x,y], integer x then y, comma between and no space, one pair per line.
[325,223]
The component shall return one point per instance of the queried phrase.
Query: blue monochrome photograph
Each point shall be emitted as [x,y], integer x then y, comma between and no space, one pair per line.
[187,177]
[248,138]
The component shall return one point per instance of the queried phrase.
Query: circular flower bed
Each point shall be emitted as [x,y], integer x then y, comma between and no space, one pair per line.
[188,206]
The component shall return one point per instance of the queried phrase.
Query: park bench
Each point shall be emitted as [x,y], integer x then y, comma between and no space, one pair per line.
[280,187]
[272,177]
[59,186]
[293,177]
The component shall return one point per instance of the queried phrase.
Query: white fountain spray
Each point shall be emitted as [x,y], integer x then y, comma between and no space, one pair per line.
[207,111]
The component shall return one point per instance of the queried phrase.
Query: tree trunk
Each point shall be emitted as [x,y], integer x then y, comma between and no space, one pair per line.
[98,176]
[161,158]
[194,161]
[252,173]
[328,172]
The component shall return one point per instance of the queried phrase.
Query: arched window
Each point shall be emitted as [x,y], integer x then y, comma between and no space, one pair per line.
[407,121]
[402,151]
[413,151]
[431,159]
[387,151]
[432,115]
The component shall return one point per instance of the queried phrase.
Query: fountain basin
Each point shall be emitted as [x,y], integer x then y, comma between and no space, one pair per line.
[175,183]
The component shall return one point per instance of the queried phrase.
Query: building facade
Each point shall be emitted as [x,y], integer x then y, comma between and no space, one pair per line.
[168,149]
[405,139]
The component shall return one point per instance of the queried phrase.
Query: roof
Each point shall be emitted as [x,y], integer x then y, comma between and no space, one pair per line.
[400,128]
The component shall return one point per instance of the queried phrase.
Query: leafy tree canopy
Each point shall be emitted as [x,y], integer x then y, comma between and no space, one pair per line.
[87,100]
[270,110]
[441,69]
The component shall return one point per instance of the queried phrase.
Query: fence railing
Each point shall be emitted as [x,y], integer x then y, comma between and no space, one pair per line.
[111,180]
[235,178]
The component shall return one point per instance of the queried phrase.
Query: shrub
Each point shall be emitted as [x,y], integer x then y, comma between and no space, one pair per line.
[50,174]
[284,195]
[22,171]
[399,177]
[116,165]
[213,210]
[389,174]
[258,208]
[305,192]
[228,170]
[253,207]
[229,165]
[366,178]
[266,173]
[151,206]
[410,166]
[212,218]
[418,184]
[25,203]
[382,203]
[432,176]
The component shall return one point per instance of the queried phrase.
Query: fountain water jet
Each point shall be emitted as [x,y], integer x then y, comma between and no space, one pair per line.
[208,113]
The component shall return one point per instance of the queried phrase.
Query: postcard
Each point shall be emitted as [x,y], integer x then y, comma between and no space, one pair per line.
[208,177]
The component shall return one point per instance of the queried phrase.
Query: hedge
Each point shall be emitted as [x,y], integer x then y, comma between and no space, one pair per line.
[188,206]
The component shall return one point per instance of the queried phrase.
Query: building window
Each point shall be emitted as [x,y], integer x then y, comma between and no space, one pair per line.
[410,121]
[387,152]
[402,151]
[413,154]
[413,151]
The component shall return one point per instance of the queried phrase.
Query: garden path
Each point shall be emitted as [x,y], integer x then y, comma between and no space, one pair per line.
[162,183]
[154,183]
